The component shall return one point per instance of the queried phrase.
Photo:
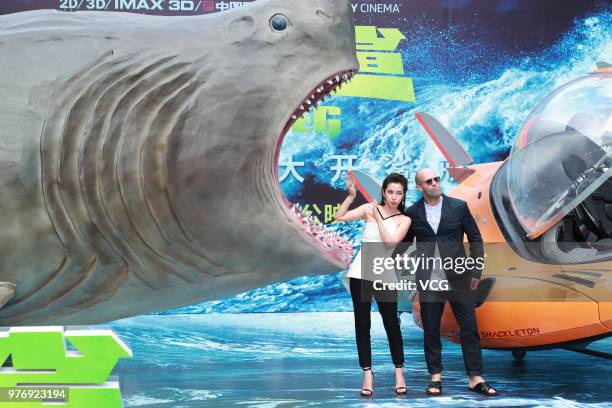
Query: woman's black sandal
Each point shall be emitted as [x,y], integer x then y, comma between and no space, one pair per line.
[483,388]
[436,385]
[369,392]
[402,389]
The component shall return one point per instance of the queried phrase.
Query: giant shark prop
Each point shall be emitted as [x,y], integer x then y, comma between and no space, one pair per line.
[139,156]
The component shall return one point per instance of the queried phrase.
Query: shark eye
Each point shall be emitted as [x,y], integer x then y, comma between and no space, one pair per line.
[279,22]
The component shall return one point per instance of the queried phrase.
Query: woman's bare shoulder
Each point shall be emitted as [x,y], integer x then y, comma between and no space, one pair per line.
[405,218]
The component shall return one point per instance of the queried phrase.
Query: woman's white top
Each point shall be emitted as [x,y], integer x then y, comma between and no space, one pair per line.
[370,234]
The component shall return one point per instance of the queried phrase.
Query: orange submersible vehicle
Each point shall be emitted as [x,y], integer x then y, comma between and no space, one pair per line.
[545,215]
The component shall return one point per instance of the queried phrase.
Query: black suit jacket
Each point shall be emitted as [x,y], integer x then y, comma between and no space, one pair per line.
[455,221]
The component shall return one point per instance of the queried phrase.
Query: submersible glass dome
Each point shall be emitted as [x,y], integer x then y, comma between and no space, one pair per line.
[562,153]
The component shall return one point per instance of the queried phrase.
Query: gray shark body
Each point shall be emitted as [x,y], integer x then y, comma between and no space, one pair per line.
[138,156]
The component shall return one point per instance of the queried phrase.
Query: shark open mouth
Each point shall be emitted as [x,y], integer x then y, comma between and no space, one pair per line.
[333,245]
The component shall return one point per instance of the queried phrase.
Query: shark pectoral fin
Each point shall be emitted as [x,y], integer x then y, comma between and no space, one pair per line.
[7,291]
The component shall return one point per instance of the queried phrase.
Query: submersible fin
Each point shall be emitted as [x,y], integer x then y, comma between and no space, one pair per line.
[603,64]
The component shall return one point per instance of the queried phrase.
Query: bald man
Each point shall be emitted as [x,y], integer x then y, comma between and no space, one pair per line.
[439,224]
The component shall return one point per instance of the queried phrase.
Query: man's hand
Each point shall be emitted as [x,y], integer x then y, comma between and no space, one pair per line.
[474,283]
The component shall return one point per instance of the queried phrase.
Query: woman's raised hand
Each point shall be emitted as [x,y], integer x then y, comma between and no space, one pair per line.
[370,209]
[351,187]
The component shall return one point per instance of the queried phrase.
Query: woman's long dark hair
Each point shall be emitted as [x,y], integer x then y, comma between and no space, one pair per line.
[395,178]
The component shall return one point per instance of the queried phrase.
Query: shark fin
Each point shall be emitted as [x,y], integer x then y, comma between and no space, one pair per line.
[7,291]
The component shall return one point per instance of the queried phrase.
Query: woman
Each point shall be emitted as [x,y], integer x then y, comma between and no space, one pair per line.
[383,223]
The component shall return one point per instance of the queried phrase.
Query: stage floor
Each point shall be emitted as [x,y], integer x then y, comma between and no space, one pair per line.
[309,360]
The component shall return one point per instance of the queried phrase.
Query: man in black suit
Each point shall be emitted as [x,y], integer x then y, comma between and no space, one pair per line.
[439,223]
